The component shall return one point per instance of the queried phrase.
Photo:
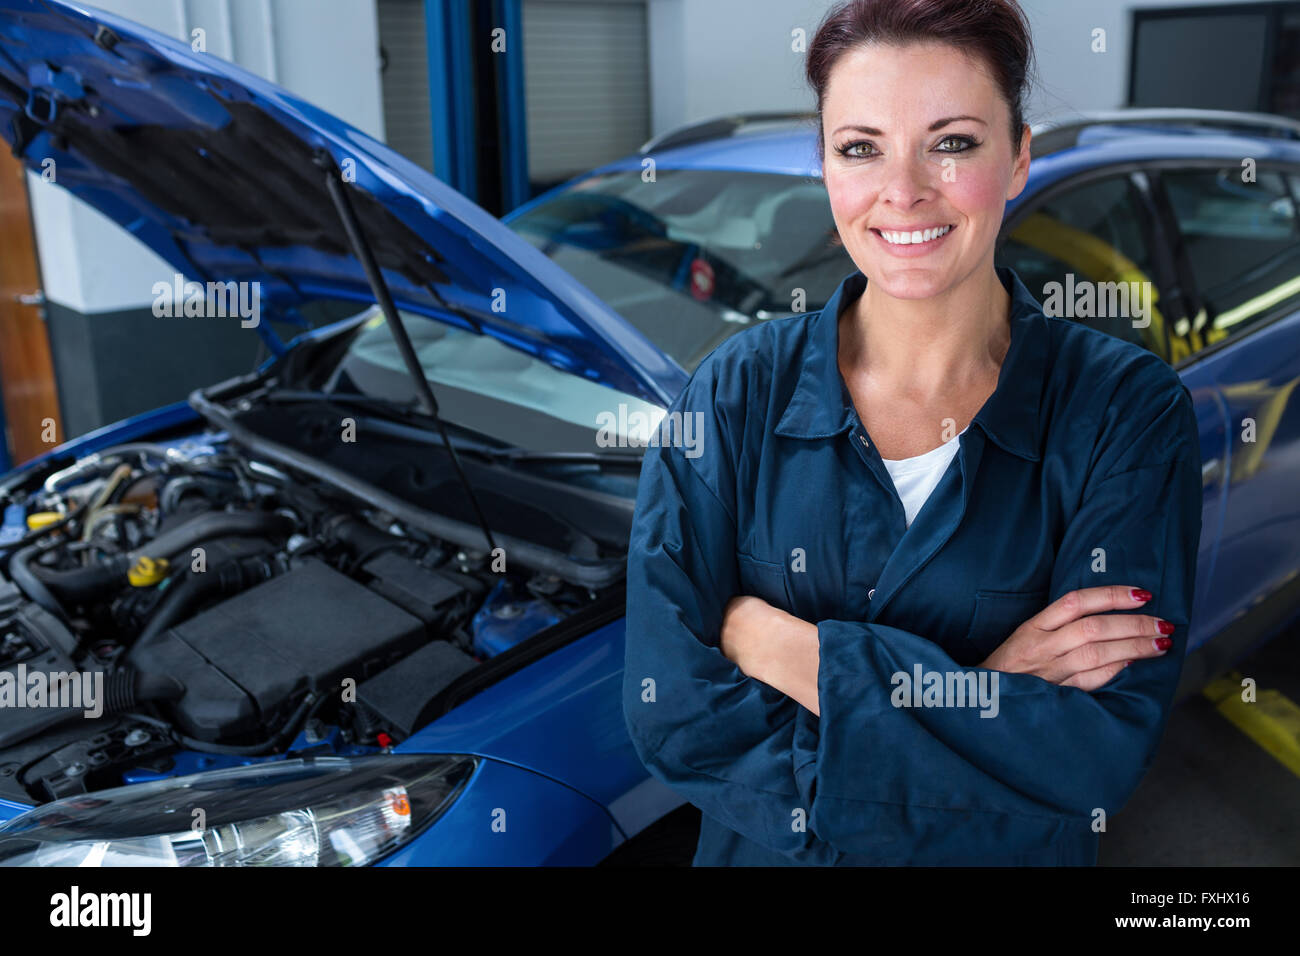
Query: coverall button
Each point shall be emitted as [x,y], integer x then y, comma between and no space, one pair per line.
[871,594]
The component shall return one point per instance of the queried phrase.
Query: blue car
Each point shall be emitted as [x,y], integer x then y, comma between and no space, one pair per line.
[311,617]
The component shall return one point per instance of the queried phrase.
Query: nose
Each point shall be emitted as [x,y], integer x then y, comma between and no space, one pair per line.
[907,181]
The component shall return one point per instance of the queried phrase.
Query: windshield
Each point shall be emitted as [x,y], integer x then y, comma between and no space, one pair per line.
[697,255]
[487,386]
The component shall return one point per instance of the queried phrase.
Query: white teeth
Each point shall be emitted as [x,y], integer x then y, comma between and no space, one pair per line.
[917,235]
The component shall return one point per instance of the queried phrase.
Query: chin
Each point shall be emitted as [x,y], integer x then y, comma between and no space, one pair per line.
[916,283]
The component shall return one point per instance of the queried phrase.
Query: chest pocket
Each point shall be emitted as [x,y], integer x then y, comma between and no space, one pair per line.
[998,614]
[764,579]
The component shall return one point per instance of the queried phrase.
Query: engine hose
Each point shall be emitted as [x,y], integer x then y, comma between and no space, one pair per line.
[31,537]
[120,474]
[98,459]
[233,576]
[22,575]
[126,689]
[80,585]
[92,462]
[361,560]
[362,539]
[83,585]
[214,524]
[359,537]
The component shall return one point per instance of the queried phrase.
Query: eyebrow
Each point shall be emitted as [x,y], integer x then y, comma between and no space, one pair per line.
[936,125]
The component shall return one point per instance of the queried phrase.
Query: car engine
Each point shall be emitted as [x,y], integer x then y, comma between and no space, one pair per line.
[174,606]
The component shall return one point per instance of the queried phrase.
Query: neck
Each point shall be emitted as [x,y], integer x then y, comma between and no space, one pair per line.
[927,347]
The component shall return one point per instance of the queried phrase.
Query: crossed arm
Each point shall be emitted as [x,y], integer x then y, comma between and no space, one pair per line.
[1064,644]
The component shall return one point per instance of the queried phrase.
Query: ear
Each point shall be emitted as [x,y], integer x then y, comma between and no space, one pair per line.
[1020,174]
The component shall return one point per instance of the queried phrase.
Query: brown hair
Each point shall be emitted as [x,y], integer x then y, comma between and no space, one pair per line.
[995,31]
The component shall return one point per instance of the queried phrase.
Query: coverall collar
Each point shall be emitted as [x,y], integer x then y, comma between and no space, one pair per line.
[821,405]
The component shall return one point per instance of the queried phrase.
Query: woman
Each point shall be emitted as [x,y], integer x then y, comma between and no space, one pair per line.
[973,666]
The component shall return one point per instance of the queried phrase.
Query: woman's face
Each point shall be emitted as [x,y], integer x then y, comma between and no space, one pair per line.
[917,138]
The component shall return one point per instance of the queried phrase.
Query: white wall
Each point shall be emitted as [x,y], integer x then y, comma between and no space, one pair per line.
[709,57]
[325,51]
[1072,77]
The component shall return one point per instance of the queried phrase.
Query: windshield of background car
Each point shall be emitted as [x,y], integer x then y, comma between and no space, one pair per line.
[696,255]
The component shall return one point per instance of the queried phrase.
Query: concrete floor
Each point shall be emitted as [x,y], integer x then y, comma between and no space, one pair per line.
[1213,797]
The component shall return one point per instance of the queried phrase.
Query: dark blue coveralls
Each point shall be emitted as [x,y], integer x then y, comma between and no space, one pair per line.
[1081,469]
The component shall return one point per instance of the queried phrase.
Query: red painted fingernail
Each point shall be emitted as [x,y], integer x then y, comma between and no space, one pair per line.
[1140,594]
[1164,643]
[1166,627]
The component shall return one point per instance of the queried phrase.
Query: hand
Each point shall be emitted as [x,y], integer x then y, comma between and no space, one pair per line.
[1072,642]
[772,646]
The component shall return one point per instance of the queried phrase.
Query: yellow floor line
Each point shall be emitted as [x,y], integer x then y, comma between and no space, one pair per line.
[1272,720]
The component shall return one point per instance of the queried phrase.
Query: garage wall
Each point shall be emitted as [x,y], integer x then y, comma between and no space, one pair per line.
[710,57]
[587,83]
[402,32]
[1073,76]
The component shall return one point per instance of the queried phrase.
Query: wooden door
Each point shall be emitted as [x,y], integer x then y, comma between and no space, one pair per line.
[27,387]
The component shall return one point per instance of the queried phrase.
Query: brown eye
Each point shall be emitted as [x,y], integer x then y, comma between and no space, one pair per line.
[857,150]
[956,144]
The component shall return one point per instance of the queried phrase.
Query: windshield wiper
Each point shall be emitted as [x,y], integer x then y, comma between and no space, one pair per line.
[570,457]
[388,406]
[375,277]
[407,414]
[386,409]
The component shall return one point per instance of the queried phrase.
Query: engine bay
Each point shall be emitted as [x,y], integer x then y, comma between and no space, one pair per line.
[171,606]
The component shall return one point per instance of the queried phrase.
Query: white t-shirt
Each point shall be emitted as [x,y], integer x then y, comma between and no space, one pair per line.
[915,478]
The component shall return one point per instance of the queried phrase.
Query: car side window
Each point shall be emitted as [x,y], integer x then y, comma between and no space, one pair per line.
[1085,255]
[1242,242]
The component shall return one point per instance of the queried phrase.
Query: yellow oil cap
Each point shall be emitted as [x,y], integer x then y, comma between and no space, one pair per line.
[42,519]
[147,572]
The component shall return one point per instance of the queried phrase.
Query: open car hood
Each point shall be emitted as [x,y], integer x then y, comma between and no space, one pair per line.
[217,171]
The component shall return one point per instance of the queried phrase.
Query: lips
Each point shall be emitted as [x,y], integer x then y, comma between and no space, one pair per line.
[913,236]
[892,244]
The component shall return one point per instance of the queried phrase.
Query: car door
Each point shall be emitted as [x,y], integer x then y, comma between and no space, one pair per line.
[1238,237]
[1105,228]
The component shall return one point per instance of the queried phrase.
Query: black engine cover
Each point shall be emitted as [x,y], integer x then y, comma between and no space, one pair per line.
[248,660]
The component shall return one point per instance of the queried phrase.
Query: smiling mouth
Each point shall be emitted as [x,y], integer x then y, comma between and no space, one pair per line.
[914,237]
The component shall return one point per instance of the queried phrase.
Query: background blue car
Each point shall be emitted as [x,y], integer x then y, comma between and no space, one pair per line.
[313,653]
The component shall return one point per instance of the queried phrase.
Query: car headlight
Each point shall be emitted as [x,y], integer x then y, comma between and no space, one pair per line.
[322,811]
